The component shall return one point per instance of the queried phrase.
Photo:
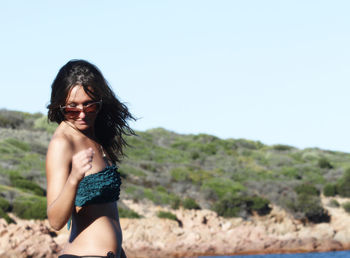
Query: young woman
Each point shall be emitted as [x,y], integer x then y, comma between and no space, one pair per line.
[83,183]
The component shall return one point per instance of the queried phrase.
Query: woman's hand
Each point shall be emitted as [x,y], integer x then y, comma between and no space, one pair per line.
[81,163]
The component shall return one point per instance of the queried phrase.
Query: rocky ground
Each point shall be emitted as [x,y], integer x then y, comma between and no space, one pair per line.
[195,233]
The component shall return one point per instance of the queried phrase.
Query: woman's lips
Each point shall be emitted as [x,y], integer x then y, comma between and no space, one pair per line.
[81,122]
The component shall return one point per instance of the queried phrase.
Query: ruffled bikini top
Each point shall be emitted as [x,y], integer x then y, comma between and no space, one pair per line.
[101,187]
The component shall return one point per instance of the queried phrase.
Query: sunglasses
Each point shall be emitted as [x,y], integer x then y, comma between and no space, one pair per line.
[74,112]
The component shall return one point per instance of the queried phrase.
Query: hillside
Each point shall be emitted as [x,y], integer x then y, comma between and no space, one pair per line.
[234,177]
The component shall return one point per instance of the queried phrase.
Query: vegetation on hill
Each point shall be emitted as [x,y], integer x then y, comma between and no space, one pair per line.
[234,177]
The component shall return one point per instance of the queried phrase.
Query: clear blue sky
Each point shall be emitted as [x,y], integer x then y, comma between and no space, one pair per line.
[274,71]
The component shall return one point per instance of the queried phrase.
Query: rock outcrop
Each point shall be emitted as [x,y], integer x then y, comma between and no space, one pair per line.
[205,233]
[196,232]
[27,239]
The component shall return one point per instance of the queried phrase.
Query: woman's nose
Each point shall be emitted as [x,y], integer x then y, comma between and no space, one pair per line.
[82,114]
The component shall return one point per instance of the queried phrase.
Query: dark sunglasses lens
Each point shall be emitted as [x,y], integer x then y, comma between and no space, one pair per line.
[92,108]
[72,112]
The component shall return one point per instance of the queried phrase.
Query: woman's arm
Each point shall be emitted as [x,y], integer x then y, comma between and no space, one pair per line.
[64,172]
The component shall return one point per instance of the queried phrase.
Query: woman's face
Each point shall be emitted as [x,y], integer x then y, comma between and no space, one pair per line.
[82,119]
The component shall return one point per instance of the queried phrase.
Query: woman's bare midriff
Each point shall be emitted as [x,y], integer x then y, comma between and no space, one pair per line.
[95,231]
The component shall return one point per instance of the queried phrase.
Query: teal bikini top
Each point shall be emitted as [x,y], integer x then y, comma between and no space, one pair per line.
[100,187]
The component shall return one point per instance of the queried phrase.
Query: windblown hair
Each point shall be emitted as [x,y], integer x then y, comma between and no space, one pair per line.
[111,124]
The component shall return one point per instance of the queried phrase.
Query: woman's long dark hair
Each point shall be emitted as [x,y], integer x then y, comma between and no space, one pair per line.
[111,124]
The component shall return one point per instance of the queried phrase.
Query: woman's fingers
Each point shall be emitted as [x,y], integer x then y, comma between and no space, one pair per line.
[87,167]
[86,156]
[82,162]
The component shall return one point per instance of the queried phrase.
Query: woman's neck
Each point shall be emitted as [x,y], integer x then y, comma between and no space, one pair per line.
[89,133]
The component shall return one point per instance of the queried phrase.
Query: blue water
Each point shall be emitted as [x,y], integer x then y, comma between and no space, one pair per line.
[338,254]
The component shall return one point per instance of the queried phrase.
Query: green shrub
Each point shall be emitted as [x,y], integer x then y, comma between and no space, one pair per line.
[247,144]
[126,213]
[4,205]
[179,174]
[161,189]
[198,176]
[40,148]
[5,216]
[234,206]
[33,208]
[22,183]
[131,189]
[278,159]
[228,207]
[7,148]
[11,119]
[307,189]
[333,203]
[209,148]
[175,203]
[291,172]
[343,184]
[309,208]
[181,145]
[310,154]
[330,190]
[194,155]
[44,124]
[260,205]
[190,203]
[158,196]
[23,146]
[324,163]
[166,215]
[346,206]
[32,161]
[28,185]
[198,146]
[131,170]
[314,176]
[316,214]
[222,186]
[190,174]
[148,166]
[282,147]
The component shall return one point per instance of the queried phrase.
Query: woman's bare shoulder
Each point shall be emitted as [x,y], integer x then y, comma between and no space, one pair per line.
[61,140]
[61,145]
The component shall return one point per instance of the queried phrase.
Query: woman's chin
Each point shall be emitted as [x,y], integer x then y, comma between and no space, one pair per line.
[82,126]
[85,126]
